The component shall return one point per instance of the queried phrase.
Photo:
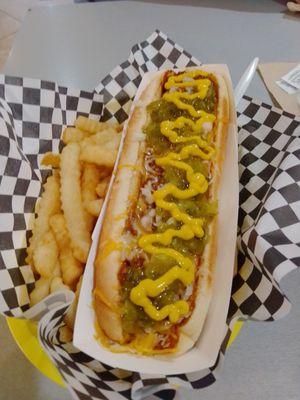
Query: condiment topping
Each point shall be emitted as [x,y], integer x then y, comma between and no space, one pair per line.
[182,90]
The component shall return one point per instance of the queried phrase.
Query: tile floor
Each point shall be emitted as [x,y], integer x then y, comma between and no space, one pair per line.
[12,13]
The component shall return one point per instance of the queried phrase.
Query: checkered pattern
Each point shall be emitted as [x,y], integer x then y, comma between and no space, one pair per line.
[268,237]
[33,114]
[89,379]
[119,87]
[269,215]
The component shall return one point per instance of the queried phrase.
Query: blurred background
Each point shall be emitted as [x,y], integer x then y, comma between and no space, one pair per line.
[12,13]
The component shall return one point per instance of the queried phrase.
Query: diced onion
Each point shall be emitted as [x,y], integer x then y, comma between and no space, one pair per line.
[149,159]
[171,221]
[135,252]
[207,127]
[140,137]
[188,292]
[158,220]
[147,219]
[146,192]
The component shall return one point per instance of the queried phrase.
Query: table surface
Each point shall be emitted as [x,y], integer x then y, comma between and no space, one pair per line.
[76,45]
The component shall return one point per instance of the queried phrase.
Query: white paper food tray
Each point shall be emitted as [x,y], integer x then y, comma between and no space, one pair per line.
[204,353]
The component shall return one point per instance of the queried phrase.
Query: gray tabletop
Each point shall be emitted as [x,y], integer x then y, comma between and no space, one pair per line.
[77,45]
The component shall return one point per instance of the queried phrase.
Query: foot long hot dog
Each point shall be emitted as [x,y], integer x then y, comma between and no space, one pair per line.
[156,252]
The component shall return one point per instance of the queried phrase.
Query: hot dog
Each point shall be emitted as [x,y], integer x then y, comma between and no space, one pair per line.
[154,267]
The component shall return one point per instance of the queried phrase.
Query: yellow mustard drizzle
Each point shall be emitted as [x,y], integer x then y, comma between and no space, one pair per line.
[202,85]
[167,129]
[184,268]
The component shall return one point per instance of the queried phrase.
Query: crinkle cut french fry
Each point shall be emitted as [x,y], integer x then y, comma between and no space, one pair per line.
[101,149]
[57,284]
[119,127]
[65,334]
[89,125]
[98,155]
[48,205]
[109,138]
[93,207]
[28,258]
[71,313]
[91,176]
[41,290]
[105,173]
[90,221]
[72,204]
[71,268]
[45,255]
[101,188]
[74,135]
[51,159]
[57,269]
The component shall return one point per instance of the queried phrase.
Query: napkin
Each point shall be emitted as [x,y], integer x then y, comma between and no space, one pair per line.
[271,73]
[32,116]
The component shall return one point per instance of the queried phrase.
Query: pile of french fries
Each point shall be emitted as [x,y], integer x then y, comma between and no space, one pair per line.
[69,206]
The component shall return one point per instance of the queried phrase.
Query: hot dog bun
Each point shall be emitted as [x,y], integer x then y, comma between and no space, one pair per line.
[123,198]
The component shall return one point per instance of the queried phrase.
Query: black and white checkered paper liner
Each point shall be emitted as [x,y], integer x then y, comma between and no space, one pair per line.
[33,114]
[268,240]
